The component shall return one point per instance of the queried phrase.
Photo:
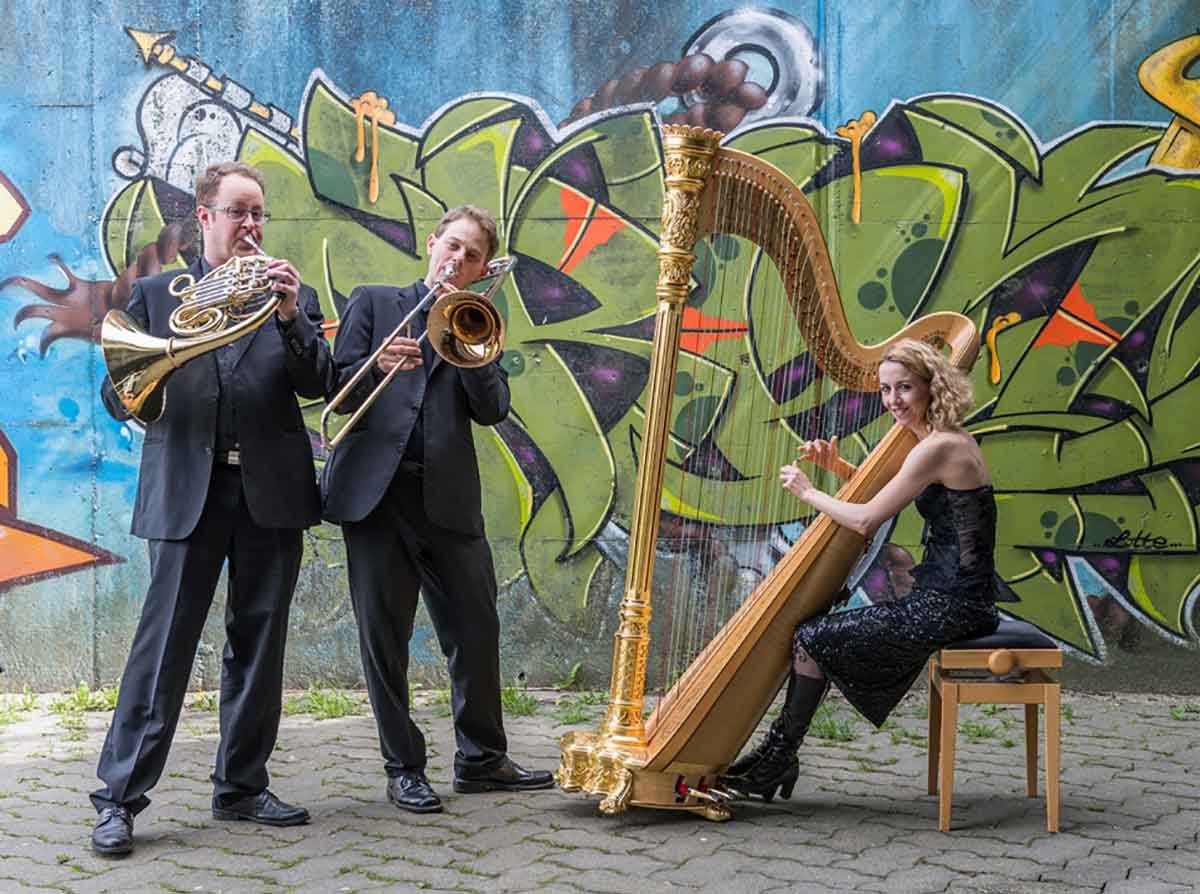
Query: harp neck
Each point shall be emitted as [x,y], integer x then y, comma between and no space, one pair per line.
[716,190]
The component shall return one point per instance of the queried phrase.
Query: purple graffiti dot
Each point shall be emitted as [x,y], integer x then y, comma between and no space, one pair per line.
[1108,563]
[1049,557]
[1136,339]
[553,295]
[577,170]
[606,375]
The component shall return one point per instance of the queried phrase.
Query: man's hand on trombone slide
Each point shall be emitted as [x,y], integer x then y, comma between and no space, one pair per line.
[403,352]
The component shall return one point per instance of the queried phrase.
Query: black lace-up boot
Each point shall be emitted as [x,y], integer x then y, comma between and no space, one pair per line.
[749,761]
[772,765]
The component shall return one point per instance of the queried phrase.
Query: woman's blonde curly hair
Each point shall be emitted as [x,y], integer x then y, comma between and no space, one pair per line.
[949,389]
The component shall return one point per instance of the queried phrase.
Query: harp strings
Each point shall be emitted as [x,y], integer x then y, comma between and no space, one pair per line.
[716,564]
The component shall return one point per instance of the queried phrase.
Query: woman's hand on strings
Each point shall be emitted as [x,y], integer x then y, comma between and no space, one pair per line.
[825,455]
[794,481]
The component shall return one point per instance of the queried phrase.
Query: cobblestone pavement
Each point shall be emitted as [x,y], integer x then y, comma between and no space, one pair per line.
[860,819]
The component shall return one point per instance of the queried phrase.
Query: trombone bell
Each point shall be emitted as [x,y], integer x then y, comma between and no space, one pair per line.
[466,329]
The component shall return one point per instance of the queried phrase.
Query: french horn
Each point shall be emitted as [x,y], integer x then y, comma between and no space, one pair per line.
[227,303]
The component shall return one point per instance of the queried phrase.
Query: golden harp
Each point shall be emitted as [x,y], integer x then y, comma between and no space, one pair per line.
[672,760]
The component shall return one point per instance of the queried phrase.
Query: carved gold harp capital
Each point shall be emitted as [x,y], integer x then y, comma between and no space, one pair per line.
[672,761]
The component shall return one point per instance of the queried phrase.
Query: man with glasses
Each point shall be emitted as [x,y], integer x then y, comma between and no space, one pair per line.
[226,475]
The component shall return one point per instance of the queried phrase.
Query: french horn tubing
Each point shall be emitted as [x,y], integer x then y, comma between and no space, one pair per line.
[214,311]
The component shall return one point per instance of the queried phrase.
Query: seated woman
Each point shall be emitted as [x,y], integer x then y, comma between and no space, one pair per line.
[874,654]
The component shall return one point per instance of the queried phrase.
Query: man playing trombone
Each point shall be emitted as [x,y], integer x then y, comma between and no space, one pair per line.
[226,475]
[404,486]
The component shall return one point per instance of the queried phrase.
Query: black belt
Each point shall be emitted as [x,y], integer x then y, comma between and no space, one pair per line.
[229,457]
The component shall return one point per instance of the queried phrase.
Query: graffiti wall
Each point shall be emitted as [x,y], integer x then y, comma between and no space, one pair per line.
[1037,171]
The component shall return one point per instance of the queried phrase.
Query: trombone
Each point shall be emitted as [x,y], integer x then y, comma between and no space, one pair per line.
[464,328]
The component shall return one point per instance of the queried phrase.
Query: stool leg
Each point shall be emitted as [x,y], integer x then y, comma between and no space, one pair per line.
[933,740]
[1031,750]
[1053,733]
[949,722]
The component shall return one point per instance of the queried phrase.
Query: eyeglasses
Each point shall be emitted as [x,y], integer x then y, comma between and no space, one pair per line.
[237,215]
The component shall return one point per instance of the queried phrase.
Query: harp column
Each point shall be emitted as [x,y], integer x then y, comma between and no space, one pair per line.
[599,763]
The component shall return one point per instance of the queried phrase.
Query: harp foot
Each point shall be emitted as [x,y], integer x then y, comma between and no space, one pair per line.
[718,813]
[618,799]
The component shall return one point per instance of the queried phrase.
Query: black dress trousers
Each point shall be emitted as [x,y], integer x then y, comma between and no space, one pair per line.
[263,566]
[392,554]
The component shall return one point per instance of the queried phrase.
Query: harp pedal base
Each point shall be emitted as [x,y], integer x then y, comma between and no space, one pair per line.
[591,765]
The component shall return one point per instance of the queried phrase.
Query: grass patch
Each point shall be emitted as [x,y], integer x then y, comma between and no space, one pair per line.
[205,701]
[72,704]
[83,698]
[1185,712]
[902,736]
[74,726]
[974,729]
[1068,714]
[439,701]
[572,677]
[517,701]
[828,724]
[869,765]
[324,703]
[571,711]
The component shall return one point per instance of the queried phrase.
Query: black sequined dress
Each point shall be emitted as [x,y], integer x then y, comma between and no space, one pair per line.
[874,654]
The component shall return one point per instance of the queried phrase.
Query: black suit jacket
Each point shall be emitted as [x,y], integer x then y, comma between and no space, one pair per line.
[364,463]
[276,456]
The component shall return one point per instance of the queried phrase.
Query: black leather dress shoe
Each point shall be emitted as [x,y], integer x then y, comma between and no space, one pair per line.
[113,835]
[411,791]
[262,808]
[507,777]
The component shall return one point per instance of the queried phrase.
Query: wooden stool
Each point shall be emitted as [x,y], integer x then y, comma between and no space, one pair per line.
[1005,667]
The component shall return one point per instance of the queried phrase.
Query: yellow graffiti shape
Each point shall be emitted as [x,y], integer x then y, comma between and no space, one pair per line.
[854,130]
[1163,76]
[371,103]
[1001,323]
